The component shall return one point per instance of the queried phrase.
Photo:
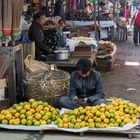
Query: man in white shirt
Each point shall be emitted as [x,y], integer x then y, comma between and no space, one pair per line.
[109,5]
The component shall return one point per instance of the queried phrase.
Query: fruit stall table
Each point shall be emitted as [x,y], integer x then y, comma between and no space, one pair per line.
[103,24]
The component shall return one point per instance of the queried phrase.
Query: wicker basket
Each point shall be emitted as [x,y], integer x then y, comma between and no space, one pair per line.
[34,65]
[47,87]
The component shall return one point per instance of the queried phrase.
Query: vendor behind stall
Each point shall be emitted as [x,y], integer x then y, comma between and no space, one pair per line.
[86,87]
[36,34]
[61,35]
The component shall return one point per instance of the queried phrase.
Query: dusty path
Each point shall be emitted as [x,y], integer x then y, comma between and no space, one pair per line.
[124,81]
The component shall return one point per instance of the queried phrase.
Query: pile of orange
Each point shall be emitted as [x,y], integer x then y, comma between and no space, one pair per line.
[36,113]
[29,113]
[116,114]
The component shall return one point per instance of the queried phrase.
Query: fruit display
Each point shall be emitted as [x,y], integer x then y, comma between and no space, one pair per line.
[35,113]
[29,113]
[105,47]
[116,114]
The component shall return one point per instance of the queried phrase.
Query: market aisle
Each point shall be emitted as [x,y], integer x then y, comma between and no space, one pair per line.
[124,80]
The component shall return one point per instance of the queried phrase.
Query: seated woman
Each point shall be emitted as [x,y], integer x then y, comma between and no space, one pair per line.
[62,37]
[86,87]
[36,34]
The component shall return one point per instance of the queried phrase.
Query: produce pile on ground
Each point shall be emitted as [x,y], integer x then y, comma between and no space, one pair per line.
[105,47]
[29,113]
[35,113]
[116,114]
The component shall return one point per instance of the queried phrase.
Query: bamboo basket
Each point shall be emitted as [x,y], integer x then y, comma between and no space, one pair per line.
[45,84]
[46,88]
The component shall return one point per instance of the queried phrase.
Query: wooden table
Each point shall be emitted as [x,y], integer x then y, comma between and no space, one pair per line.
[70,65]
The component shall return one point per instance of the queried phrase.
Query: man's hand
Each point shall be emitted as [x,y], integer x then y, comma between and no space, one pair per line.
[83,101]
[75,100]
[79,101]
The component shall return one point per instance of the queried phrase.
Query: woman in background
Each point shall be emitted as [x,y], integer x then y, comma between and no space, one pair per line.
[127,13]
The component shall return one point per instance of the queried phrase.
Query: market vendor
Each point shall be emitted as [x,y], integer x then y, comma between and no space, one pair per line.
[61,35]
[86,87]
[36,34]
[103,9]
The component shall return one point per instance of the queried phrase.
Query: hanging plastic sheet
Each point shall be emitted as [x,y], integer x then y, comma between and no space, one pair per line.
[7,17]
[0,22]
[17,6]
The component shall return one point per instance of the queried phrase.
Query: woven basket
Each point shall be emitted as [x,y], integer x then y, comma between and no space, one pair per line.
[46,87]
[34,65]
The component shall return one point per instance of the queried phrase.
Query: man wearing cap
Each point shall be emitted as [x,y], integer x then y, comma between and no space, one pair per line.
[86,87]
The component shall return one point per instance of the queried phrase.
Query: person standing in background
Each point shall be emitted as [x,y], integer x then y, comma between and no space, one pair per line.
[88,7]
[109,5]
[136,22]
[59,8]
[127,13]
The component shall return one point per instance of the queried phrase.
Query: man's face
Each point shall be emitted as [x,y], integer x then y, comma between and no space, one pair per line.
[42,20]
[84,75]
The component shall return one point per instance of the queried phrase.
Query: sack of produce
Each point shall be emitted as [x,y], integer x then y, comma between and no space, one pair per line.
[106,48]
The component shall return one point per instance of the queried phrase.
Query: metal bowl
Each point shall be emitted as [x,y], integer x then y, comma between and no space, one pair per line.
[62,55]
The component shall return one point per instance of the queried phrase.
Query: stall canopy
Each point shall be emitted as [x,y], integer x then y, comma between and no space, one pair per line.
[7,17]
[0,21]
[17,7]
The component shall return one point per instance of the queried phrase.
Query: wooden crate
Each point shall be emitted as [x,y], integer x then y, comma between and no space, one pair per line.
[82,52]
[121,33]
[15,72]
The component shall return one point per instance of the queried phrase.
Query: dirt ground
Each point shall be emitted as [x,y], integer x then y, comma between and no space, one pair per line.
[123,81]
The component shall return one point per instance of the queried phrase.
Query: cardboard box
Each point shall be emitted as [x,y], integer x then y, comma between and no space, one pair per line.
[2,88]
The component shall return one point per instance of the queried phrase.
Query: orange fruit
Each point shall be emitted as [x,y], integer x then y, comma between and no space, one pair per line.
[65,120]
[27,107]
[90,120]
[65,125]
[32,110]
[23,121]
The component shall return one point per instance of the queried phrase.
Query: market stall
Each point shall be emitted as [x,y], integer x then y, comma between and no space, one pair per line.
[102,20]
[12,67]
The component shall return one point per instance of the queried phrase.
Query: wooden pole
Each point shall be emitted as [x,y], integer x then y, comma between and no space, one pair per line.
[117,14]
[98,19]
[95,25]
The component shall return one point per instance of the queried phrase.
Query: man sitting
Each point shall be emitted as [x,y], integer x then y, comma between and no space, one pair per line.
[86,87]
[35,34]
